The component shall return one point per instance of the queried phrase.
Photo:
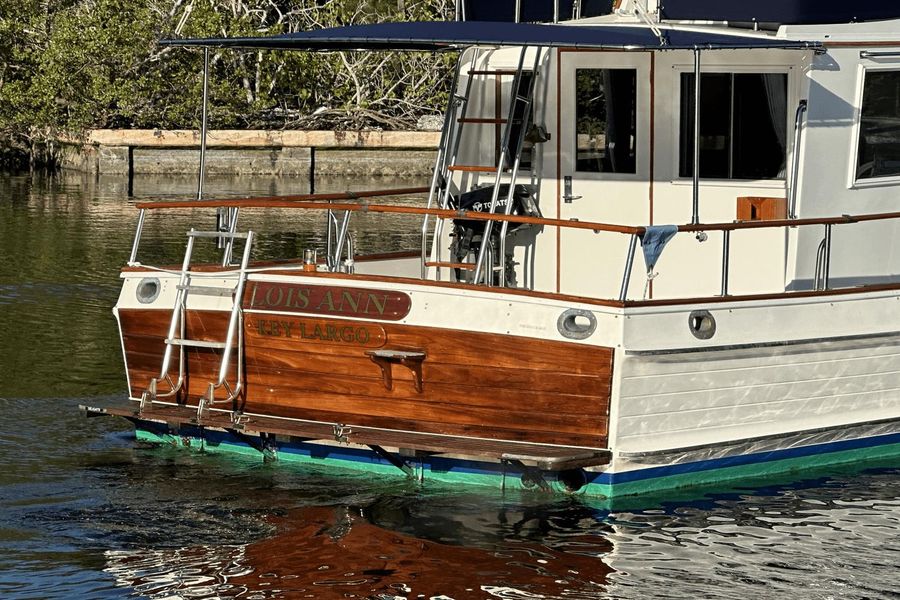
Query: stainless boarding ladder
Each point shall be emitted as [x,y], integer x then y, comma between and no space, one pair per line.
[177,325]
[510,155]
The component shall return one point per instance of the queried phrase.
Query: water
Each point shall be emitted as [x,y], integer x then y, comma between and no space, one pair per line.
[85,512]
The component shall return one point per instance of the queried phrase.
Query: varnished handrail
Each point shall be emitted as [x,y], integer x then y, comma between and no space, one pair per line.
[328,202]
[392,208]
[737,225]
[316,202]
[235,202]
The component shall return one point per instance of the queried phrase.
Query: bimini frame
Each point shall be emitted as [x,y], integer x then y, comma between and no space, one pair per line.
[459,35]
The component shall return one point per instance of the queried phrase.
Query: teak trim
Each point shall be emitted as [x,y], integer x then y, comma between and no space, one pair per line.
[215,203]
[888,287]
[390,209]
[314,202]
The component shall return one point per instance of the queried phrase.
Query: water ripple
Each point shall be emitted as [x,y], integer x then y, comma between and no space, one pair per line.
[85,512]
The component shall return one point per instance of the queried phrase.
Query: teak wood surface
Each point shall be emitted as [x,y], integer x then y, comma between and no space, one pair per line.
[473,384]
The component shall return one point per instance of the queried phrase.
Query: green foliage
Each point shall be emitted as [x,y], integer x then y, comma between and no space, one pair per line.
[71,65]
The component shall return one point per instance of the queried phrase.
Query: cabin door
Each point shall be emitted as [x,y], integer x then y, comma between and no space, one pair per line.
[604,148]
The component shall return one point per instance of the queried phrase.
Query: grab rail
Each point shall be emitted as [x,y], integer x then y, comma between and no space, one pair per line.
[633,231]
[795,161]
[314,202]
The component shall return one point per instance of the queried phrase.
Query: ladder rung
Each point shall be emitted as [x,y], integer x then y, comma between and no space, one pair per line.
[195,343]
[523,98]
[216,234]
[206,290]
[494,72]
[472,169]
[480,120]
[451,265]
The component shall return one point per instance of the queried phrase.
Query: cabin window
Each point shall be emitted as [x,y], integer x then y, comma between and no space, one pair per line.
[743,125]
[879,126]
[606,120]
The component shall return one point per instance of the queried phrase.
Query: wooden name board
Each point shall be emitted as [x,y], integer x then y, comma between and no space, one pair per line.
[385,305]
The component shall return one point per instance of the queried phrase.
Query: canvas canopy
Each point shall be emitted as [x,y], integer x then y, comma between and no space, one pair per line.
[781,11]
[442,35]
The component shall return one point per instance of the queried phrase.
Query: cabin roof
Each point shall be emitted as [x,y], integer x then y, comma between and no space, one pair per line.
[443,35]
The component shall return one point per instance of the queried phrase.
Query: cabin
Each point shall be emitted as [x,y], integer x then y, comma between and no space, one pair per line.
[610,138]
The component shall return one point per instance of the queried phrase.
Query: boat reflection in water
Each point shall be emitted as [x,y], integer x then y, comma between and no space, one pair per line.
[330,552]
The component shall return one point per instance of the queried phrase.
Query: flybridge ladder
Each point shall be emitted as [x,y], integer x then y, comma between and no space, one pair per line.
[177,325]
[446,164]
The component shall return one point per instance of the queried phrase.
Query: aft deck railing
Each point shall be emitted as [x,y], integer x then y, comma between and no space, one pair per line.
[331,203]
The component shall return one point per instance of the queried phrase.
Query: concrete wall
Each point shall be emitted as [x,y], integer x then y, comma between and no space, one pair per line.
[287,153]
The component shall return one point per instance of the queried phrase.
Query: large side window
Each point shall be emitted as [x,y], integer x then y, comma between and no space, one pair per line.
[743,125]
[606,120]
[879,130]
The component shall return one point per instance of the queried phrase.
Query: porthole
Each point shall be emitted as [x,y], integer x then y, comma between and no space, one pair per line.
[702,324]
[576,324]
[148,290]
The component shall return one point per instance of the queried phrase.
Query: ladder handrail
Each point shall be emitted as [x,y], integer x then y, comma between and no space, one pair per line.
[341,239]
[235,311]
[233,214]
[501,163]
[179,320]
[523,132]
[451,158]
[178,310]
[440,159]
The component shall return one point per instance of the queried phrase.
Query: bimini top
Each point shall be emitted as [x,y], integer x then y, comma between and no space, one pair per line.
[444,35]
[797,12]
[769,12]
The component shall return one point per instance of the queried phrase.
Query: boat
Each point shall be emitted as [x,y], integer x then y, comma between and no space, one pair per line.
[659,249]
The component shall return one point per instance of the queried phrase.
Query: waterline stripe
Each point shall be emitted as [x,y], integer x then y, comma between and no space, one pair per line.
[746,459]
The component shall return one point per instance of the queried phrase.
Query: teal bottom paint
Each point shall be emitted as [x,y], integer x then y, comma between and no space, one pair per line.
[662,483]
[888,454]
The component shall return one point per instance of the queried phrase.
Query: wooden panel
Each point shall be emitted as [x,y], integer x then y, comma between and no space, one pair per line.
[757,208]
[367,380]
[569,409]
[438,373]
[474,384]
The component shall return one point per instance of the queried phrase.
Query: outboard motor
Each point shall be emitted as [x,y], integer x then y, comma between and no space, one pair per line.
[467,233]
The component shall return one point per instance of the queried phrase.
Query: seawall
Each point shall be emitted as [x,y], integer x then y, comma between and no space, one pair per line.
[304,154]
